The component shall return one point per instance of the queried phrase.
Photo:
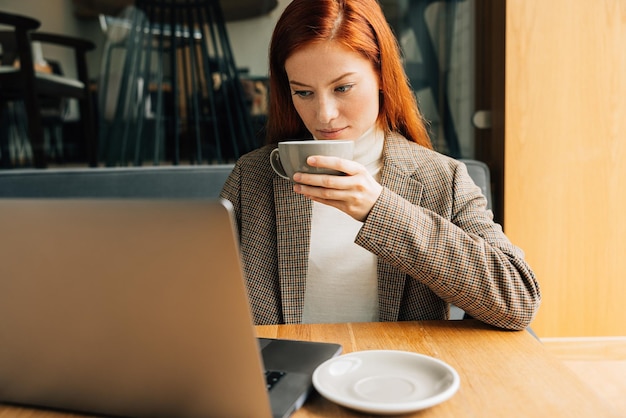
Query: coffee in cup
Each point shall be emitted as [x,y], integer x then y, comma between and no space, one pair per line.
[290,156]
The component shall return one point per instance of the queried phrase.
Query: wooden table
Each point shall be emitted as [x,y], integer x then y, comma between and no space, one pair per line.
[503,373]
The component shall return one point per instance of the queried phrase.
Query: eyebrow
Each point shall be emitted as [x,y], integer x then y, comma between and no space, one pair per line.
[297,83]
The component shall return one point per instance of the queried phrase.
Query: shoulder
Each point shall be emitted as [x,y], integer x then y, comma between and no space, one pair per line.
[444,182]
[419,162]
[256,163]
[259,156]
[251,176]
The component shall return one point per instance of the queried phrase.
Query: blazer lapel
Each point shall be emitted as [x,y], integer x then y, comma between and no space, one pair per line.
[293,231]
[399,176]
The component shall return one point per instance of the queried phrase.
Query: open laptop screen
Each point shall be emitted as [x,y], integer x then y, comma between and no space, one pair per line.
[126,307]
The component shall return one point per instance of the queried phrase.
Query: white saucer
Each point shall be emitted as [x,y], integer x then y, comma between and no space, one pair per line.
[386,381]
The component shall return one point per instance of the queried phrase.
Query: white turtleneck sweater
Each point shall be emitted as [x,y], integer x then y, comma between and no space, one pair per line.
[342,282]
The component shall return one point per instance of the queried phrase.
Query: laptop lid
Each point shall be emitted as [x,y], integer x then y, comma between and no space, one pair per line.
[133,308]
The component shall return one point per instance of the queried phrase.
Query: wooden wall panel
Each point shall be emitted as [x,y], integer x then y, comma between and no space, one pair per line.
[565,158]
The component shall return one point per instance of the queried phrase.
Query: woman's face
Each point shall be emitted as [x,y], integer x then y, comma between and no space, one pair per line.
[334,90]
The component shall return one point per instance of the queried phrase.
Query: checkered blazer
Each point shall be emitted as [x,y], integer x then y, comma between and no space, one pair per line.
[435,240]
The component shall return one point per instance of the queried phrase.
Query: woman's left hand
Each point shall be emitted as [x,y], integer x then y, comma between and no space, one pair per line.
[355,193]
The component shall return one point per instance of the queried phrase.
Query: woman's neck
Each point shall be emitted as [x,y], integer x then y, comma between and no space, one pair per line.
[368,149]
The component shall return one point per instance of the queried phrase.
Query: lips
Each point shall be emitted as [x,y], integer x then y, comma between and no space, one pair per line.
[330,133]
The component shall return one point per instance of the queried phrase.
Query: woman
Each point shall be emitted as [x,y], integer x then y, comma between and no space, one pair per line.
[405,232]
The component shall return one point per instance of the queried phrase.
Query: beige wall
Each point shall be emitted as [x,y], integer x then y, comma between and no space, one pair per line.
[565,158]
[250,40]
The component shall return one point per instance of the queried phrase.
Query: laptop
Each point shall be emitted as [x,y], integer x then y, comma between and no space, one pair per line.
[137,308]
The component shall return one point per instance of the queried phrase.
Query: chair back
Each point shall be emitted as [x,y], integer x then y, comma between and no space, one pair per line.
[199,181]
[479,172]
[8,49]
[32,84]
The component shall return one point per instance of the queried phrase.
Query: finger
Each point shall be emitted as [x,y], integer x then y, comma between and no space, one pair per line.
[335,163]
[327,181]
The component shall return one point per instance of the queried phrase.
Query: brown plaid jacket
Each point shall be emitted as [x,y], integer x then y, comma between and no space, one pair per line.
[435,240]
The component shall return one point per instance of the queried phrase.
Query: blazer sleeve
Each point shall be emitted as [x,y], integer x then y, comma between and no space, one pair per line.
[453,246]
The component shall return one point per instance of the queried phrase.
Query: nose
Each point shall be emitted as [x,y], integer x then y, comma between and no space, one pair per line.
[327,109]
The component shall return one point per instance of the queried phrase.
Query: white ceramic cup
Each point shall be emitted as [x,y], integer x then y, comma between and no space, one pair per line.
[290,156]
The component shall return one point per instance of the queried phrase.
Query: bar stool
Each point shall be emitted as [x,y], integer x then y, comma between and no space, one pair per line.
[177,94]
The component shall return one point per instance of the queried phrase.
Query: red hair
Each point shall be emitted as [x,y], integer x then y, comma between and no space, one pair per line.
[356,24]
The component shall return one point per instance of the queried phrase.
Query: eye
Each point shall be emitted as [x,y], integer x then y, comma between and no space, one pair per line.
[302,93]
[344,89]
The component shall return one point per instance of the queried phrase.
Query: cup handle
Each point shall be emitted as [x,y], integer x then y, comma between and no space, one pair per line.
[277,165]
